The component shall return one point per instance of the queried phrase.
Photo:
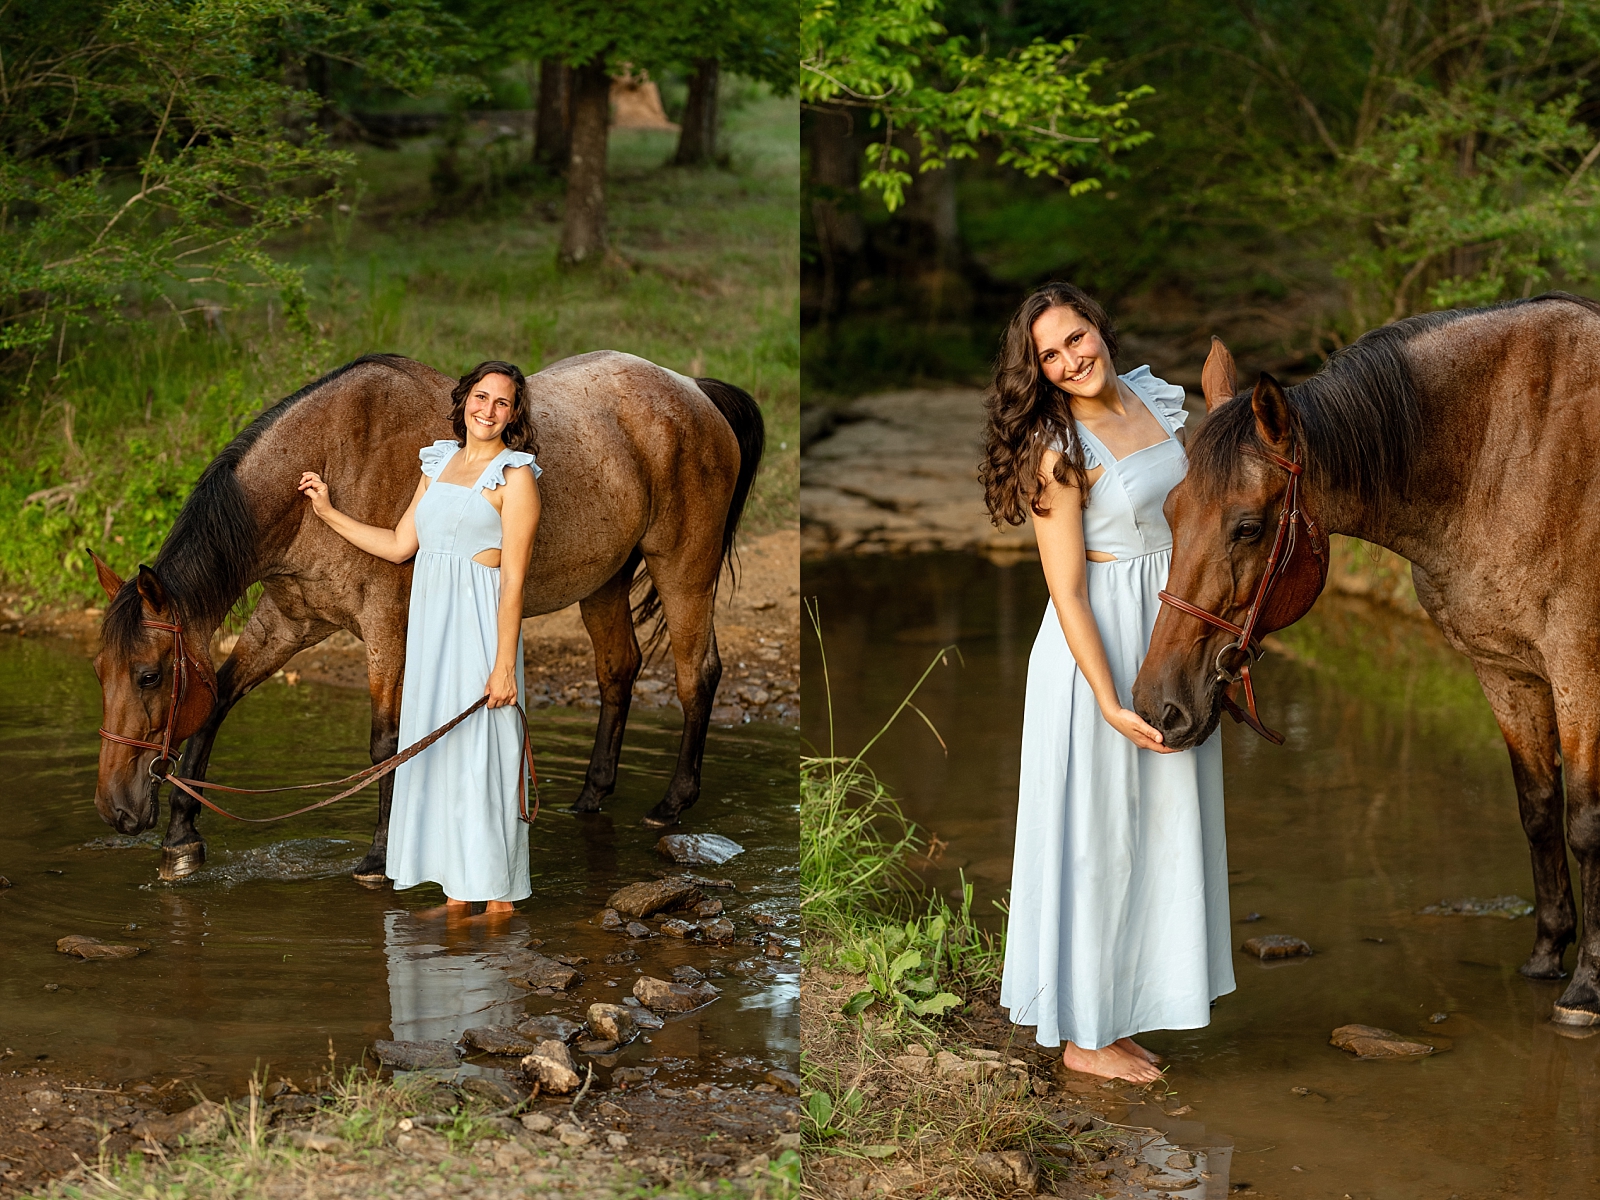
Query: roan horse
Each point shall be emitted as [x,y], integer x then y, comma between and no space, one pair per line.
[642,465]
[1468,443]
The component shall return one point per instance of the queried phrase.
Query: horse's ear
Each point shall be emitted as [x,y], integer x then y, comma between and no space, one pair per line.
[150,588]
[109,579]
[1219,379]
[1272,412]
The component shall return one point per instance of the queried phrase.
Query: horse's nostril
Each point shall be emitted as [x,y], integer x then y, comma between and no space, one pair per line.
[1172,717]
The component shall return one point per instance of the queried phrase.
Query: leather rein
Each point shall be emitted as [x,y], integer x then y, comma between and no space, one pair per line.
[184,664]
[1233,660]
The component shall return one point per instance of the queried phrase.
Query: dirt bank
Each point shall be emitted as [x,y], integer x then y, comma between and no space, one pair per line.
[979,1109]
[56,1131]
[898,474]
[758,635]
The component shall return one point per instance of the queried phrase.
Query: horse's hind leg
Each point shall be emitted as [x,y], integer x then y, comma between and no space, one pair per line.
[688,613]
[269,640]
[1579,717]
[608,617]
[1525,709]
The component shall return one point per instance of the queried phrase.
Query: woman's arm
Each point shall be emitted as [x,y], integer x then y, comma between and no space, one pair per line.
[1061,553]
[396,545]
[519,521]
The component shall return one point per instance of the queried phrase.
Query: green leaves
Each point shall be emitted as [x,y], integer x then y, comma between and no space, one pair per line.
[893,59]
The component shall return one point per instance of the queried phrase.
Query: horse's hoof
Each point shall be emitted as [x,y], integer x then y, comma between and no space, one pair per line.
[179,862]
[372,882]
[1565,1015]
[1542,966]
[654,821]
[581,807]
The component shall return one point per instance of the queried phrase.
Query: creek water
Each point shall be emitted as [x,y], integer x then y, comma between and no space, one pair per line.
[272,957]
[1392,793]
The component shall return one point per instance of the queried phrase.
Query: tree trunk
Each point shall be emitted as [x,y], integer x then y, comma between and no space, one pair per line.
[835,177]
[584,235]
[552,135]
[697,142]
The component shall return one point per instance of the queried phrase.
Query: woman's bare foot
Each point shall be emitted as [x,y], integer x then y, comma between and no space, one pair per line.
[1109,1062]
[1133,1047]
[495,907]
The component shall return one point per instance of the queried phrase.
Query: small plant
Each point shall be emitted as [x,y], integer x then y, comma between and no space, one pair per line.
[905,983]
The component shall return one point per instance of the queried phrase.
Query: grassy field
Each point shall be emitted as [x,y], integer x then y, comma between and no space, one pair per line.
[103,444]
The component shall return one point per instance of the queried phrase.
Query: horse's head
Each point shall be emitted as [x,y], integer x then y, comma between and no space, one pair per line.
[1245,560]
[157,687]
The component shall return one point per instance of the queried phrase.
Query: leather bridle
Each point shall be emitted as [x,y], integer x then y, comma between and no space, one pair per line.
[182,664]
[1233,660]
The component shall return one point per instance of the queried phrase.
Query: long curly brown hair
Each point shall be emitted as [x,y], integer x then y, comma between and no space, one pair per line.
[519,434]
[1028,413]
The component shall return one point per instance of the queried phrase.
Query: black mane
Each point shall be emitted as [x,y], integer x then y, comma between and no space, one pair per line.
[1357,419]
[209,557]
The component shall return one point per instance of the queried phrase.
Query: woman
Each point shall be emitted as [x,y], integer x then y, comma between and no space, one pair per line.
[1119,901]
[471,524]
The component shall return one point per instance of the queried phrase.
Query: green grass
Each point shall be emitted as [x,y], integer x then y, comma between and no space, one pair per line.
[704,280]
[864,907]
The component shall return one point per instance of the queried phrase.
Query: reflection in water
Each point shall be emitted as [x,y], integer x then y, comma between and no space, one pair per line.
[272,952]
[1393,793]
[442,990]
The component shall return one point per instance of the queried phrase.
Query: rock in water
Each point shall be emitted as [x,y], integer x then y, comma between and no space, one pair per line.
[88,947]
[612,1021]
[1368,1041]
[640,900]
[1276,945]
[202,1123]
[562,1029]
[687,974]
[1508,907]
[673,927]
[499,1040]
[708,908]
[610,918]
[416,1056]
[718,929]
[698,849]
[662,996]
[496,1091]
[551,1065]
[541,972]
[638,929]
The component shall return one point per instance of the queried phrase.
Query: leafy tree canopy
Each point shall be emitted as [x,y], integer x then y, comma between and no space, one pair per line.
[160,144]
[898,62]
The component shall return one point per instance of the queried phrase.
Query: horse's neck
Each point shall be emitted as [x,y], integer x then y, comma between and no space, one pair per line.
[1450,431]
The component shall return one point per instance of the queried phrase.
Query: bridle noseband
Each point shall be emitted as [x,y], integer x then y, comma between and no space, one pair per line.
[1233,660]
[182,664]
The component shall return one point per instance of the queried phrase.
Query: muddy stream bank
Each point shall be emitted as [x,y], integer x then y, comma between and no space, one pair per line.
[1392,794]
[272,957]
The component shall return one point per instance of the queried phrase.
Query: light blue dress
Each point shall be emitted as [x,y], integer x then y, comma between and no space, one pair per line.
[1119,885]
[454,820]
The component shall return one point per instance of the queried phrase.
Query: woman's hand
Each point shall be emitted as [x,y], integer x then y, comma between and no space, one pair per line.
[316,491]
[1134,727]
[501,688]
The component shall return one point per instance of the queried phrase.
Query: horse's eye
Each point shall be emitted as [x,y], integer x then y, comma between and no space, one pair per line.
[1247,531]
[149,679]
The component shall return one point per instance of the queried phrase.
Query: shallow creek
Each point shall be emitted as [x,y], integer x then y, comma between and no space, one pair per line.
[272,957]
[1392,793]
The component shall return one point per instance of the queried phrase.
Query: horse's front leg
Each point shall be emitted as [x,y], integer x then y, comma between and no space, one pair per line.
[1525,709]
[608,617]
[386,660]
[269,640]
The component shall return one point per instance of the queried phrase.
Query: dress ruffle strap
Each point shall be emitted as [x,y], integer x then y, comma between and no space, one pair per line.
[435,456]
[494,474]
[1165,398]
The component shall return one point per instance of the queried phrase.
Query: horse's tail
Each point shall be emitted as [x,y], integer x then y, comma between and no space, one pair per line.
[743,415]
